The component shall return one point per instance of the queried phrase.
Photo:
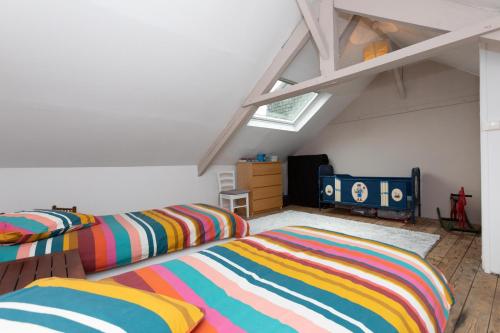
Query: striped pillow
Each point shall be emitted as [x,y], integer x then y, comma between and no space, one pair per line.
[30,226]
[72,305]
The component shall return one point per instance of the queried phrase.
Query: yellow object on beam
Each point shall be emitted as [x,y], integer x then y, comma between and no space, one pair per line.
[376,49]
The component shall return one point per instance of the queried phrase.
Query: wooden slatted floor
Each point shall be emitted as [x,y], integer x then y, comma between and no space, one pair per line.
[458,255]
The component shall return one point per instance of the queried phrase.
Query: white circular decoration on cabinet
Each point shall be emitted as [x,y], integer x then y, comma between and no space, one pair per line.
[359,192]
[329,190]
[397,195]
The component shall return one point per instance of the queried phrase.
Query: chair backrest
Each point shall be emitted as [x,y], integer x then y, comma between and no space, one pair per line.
[226,180]
[61,209]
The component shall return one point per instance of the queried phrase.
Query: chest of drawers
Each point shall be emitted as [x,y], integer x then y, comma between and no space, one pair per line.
[264,180]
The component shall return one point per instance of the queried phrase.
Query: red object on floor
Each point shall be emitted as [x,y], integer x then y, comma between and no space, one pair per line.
[458,208]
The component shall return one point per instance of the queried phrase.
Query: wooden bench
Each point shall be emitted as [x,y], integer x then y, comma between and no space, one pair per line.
[18,274]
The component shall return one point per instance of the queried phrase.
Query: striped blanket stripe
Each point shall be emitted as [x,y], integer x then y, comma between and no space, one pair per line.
[127,238]
[302,279]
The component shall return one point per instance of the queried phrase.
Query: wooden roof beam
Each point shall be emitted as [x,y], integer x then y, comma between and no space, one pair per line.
[395,59]
[328,27]
[314,28]
[398,78]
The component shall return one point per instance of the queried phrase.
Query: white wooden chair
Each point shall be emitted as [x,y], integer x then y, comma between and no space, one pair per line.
[228,191]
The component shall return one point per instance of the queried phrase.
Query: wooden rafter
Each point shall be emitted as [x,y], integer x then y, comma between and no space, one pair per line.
[398,77]
[314,28]
[328,27]
[398,58]
[285,56]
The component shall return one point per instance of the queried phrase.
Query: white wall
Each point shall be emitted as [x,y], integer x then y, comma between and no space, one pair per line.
[490,155]
[106,190]
[436,128]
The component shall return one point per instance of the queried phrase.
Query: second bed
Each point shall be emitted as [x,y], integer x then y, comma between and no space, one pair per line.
[123,239]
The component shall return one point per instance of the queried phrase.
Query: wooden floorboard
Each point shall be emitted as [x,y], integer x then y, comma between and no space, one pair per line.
[462,280]
[455,255]
[494,326]
[458,256]
[475,316]
[436,255]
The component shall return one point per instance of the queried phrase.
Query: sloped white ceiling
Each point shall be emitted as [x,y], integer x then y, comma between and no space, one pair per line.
[127,82]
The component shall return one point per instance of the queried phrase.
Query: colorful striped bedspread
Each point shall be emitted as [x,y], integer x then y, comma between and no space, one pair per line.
[301,279]
[127,238]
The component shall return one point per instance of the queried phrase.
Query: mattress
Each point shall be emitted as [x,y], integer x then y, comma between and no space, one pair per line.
[131,237]
[302,279]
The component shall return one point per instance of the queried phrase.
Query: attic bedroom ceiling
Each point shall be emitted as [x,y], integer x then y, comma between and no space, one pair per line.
[124,83]
[135,83]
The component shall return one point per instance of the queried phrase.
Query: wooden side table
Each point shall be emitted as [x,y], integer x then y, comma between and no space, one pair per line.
[18,274]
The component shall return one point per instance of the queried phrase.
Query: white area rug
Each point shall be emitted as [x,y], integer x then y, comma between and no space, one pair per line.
[418,242]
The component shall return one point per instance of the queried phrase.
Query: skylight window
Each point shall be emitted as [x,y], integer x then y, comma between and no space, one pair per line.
[290,114]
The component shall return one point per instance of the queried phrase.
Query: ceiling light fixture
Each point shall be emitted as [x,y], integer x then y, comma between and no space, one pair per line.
[385,27]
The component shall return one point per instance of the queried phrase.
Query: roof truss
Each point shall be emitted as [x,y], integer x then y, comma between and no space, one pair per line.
[389,61]
[326,39]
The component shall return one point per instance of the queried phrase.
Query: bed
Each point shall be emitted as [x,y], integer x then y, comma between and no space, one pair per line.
[131,237]
[303,279]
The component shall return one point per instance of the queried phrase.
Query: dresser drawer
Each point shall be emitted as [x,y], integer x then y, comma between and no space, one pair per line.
[259,169]
[267,192]
[264,181]
[267,204]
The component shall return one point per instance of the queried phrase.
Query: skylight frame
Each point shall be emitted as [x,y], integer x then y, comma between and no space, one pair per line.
[286,121]
[301,118]
[304,117]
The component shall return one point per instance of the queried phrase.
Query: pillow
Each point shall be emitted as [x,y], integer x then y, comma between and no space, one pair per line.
[73,305]
[30,226]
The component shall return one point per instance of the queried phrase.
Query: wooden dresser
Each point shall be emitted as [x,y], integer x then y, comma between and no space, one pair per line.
[264,181]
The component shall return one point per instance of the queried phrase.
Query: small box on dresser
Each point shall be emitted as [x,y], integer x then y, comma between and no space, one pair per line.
[265,182]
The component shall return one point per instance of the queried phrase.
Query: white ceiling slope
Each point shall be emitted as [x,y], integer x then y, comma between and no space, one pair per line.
[127,82]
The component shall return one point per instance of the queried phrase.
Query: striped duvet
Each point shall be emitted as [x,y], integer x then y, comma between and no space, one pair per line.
[127,238]
[300,279]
